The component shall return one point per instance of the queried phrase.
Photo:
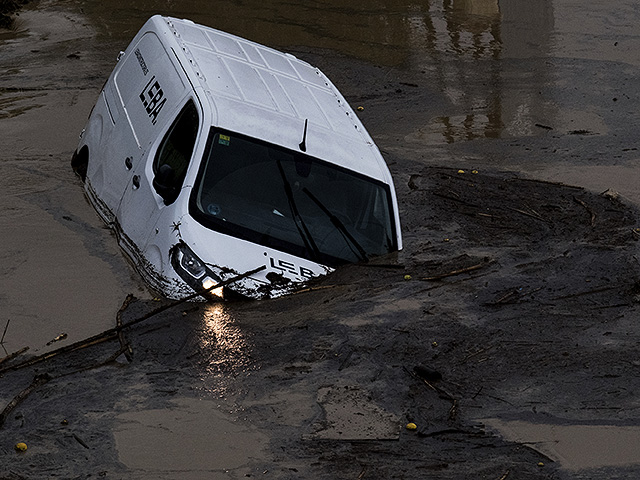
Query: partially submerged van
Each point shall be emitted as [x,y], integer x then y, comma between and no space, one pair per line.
[211,156]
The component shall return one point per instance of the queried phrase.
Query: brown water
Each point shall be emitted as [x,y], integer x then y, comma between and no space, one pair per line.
[545,88]
[576,447]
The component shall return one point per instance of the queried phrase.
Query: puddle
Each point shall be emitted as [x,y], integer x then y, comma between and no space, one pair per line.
[623,179]
[576,447]
[350,414]
[225,348]
[191,439]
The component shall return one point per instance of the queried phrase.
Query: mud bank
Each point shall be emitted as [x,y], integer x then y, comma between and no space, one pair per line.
[522,296]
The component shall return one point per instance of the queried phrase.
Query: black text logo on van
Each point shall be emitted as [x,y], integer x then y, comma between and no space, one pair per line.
[289,267]
[153,99]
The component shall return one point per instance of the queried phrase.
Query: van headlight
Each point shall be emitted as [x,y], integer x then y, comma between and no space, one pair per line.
[194,271]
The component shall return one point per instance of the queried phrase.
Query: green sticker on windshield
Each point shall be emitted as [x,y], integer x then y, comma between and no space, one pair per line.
[224,140]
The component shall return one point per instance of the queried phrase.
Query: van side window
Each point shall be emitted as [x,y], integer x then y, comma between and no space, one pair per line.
[174,153]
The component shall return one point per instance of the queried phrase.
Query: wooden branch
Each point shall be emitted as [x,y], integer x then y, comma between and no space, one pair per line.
[513,295]
[532,214]
[589,210]
[442,393]
[589,292]
[459,271]
[37,381]
[13,355]
[113,332]
[124,344]
[5,331]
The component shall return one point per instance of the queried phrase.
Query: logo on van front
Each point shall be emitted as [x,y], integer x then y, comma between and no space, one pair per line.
[289,267]
[152,98]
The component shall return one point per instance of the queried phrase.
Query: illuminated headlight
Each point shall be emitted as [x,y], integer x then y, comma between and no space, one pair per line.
[190,263]
[194,271]
[208,283]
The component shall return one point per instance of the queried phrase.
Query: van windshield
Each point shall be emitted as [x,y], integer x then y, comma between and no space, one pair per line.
[292,202]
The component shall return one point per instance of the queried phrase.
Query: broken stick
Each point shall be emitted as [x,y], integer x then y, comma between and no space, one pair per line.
[459,271]
[124,344]
[589,210]
[37,381]
[13,355]
[113,332]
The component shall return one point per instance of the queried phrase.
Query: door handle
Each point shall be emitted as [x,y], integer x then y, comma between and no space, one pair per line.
[136,182]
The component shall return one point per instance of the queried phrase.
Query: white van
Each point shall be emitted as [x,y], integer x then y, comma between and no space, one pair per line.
[211,155]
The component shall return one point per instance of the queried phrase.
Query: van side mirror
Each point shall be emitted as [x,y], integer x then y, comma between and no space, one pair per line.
[164,184]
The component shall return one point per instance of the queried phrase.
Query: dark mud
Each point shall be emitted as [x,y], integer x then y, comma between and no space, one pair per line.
[520,296]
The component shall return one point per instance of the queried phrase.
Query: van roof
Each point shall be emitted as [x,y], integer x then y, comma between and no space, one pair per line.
[267,94]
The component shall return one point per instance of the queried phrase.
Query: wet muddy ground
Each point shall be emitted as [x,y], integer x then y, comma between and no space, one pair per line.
[516,296]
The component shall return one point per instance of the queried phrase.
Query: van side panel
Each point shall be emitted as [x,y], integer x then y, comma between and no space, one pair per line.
[149,87]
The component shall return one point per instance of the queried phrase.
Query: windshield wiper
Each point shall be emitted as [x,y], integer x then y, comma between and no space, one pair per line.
[309,243]
[361,253]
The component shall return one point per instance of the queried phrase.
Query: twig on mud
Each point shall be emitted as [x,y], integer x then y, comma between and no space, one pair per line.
[453,411]
[513,295]
[442,393]
[363,472]
[477,393]
[5,331]
[112,332]
[96,339]
[459,271]
[124,344]
[471,355]
[37,381]
[441,285]
[532,213]
[505,297]
[44,378]
[344,362]
[589,210]
[617,305]
[506,474]
[313,289]
[589,292]
[80,441]
[448,197]
[112,358]
[13,355]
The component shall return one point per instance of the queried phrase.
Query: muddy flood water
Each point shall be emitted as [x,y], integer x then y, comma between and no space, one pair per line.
[511,131]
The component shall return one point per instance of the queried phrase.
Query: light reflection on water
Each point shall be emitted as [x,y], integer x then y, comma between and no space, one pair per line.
[225,347]
[463,46]
[460,45]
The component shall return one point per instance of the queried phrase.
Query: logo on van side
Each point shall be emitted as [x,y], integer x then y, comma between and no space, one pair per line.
[152,98]
[143,64]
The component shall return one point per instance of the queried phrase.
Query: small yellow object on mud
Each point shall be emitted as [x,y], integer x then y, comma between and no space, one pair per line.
[360,109]
[21,447]
[475,172]
[540,464]
[407,277]
[411,426]
[434,344]
[460,171]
